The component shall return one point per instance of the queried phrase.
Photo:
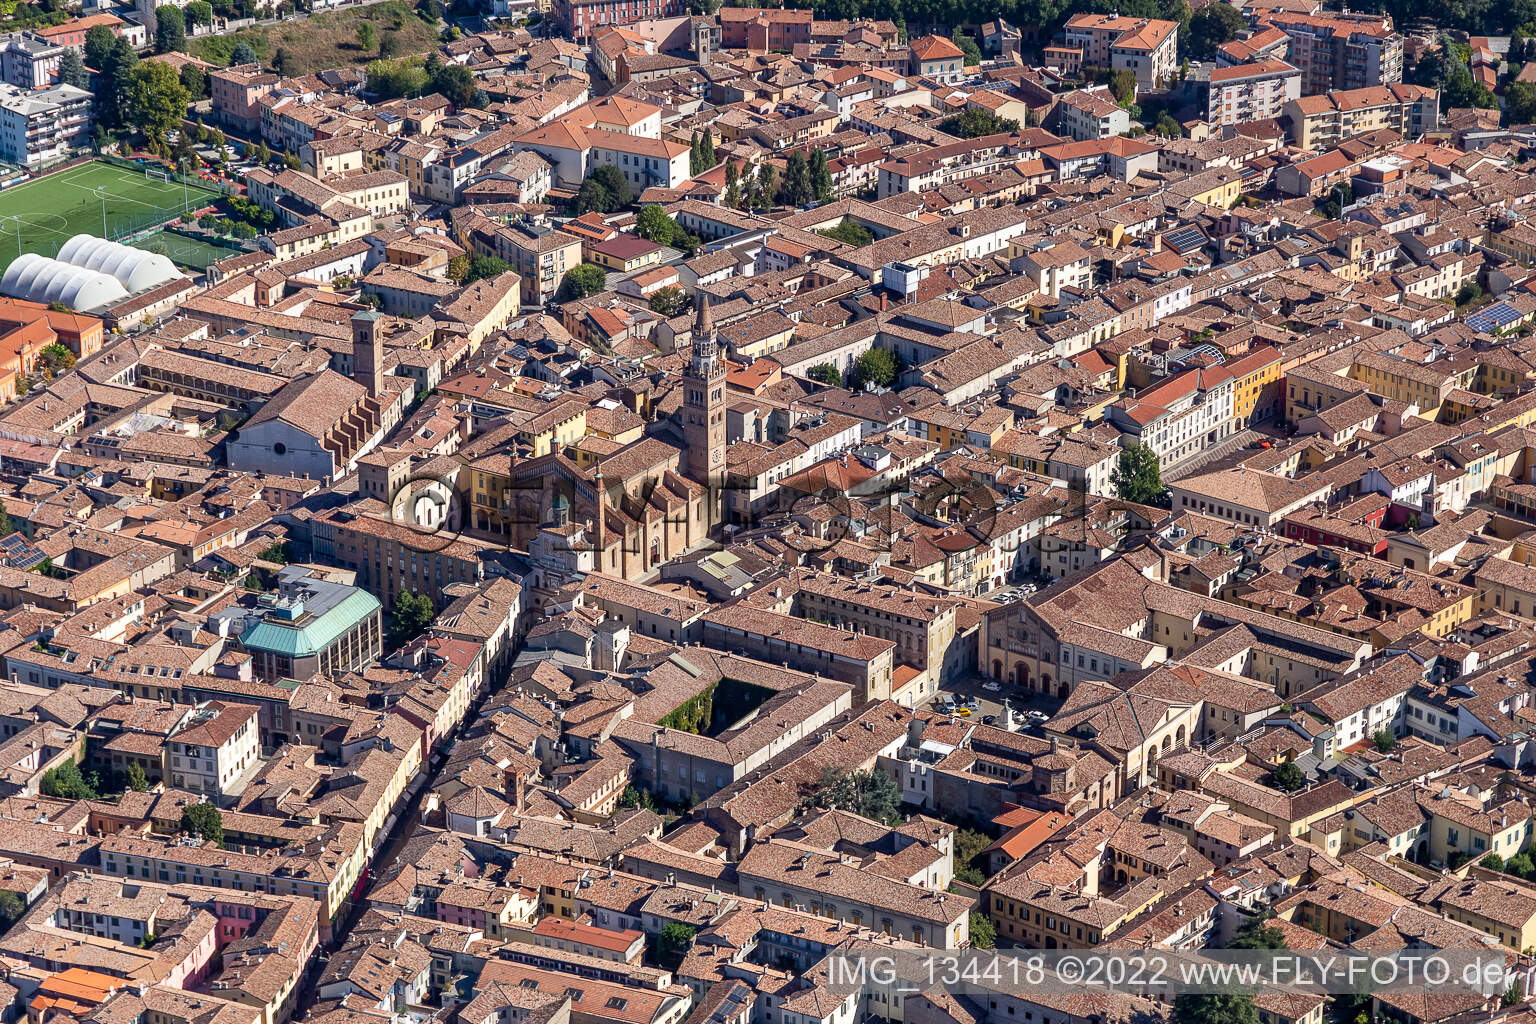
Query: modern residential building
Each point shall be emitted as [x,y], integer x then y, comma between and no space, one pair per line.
[1250,92]
[44,126]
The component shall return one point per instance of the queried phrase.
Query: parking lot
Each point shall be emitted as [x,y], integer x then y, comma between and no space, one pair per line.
[989,702]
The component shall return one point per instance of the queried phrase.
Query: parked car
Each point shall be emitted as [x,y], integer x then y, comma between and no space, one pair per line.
[992,686]
[988,719]
[1038,716]
[963,712]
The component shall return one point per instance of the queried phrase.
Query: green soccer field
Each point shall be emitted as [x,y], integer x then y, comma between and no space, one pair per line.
[41,215]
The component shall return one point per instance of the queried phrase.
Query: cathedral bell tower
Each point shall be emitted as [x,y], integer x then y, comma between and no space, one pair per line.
[704,414]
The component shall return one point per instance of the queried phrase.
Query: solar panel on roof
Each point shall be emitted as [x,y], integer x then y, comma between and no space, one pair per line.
[1184,239]
[1500,314]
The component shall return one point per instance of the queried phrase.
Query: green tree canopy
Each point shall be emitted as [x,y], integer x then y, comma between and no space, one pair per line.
[580,281]
[396,79]
[1139,477]
[849,232]
[604,189]
[1122,85]
[668,301]
[827,374]
[205,821]
[1520,103]
[170,30]
[159,101]
[654,225]
[1215,1009]
[967,44]
[872,794]
[983,935]
[976,122]
[365,35]
[195,81]
[1211,26]
[409,618]
[1258,933]
[878,366]
[674,942]
[1287,777]
[484,267]
[243,54]
[137,780]
[72,70]
[98,46]
[68,782]
[1384,740]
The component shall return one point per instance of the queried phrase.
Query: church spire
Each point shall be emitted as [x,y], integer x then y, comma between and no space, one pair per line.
[705,345]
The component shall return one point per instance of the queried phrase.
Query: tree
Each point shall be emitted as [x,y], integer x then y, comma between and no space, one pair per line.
[1219,1008]
[732,186]
[1211,26]
[410,616]
[11,906]
[967,46]
[454,81]
[1468,293]
[242,54]
[763,191]
[654,225]
[194,81]
[1287,777]
[849,233]
[827,374]
[1258,933]
[159,101]
[975,122]
[674,942]
[98,46]
[1462,90]
[1493,862]
[365,35]
[821,177]
[1521,866]
[113,102]
[707,150]
[204,821]
[1166,126]
[795,185]
[137,780]
[198,12]
[1520,103]
[695,156]
[668,301]
[72,70]
[604,189]
[458,269]
[1139,477]
[1122,85]
[284,64]
[983,935]
[878,366]
[872,794]
[580,281]
[170,30]
[58,357]
[1384,740]
[389,79]
[482,268]
[68,783]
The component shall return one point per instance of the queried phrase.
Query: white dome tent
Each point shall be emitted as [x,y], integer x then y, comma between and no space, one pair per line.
[136,269]
[40,279]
